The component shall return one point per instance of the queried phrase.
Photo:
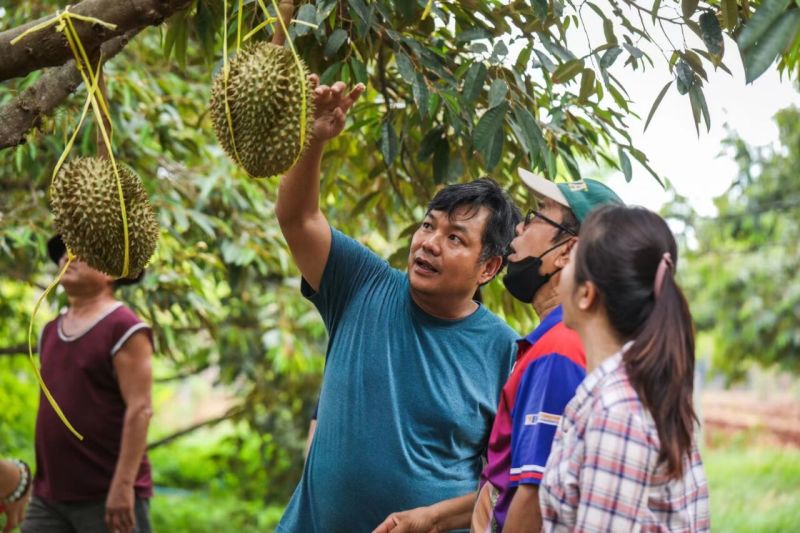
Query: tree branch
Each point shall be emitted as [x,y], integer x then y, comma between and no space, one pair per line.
[24,112]
[194,427]
[48,48]
[22,349]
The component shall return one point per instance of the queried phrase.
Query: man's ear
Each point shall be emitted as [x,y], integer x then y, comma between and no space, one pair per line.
[490,269]
[562,259]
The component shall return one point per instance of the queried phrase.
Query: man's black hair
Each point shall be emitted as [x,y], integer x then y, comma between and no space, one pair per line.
[503,214]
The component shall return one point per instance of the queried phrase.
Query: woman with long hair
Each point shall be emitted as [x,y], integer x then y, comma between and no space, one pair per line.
[625,456]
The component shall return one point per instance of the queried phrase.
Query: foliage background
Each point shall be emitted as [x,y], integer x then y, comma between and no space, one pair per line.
[474,88]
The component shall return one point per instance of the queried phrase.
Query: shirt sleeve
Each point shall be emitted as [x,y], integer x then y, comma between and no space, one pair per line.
[350,266]
[619,455]
[547,386]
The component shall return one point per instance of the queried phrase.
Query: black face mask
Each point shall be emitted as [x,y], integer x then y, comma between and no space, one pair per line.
[524,279]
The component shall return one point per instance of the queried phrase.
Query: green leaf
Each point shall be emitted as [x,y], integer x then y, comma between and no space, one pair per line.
[625,165]
[656,104]
[441,160]
[484,136]
[688,7]
[389,147]
[532,135]
[359,70]
[306,13]
[711,32]
[762,19]
[730,14]
[429,143]
[335,41]
[494,151]
[420,90]
[568,70]
[330,74]
[539,9]
[695,62]
[497,92]
[695,103]
[404,66]
[521,63]
[608,31]
[473,83]
[587,84]
[654,10]
[473,34]
[759,57]
[610,56]
[684,76]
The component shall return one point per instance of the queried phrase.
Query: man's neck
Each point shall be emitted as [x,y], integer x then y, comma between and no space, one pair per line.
[88,304]
[546,298]
[442,307]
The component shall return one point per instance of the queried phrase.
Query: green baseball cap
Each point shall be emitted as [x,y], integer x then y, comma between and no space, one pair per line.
[580,196]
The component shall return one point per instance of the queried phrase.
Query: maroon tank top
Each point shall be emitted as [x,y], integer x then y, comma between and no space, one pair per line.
[80,374]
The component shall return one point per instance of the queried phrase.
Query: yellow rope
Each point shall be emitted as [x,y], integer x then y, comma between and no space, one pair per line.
[428,8]
[63,23]
[302,77]
[74,40]
[226,73]
[32,361]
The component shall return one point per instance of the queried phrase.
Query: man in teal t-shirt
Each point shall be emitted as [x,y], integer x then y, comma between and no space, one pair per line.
[414,366]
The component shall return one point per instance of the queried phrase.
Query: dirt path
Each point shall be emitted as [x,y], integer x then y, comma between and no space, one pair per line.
[731,411]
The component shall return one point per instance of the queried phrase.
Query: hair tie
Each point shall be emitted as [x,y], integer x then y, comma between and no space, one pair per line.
[663,265]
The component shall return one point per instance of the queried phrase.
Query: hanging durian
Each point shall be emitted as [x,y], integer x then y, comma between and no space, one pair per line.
[271,111]
[86,207]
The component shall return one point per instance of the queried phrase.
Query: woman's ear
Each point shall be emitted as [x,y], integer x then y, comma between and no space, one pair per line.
[562,259]
[586,295]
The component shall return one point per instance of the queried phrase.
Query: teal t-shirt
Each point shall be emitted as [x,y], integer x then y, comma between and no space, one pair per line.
[407,399]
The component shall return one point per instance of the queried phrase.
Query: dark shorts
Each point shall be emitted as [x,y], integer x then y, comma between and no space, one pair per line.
[45,516]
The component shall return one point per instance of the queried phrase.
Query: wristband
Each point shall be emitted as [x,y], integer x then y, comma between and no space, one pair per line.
[23,485]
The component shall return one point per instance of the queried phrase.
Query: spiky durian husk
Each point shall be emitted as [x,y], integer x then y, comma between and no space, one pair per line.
[85,203]
[265,93]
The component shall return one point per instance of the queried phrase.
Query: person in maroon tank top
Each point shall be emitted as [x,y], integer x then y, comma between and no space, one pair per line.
[96,360]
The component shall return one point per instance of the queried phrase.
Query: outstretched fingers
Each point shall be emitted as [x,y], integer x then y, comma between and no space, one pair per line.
[351,98]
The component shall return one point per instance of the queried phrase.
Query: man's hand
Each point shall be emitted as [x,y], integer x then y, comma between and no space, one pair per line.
[119,509]
[331,105]
[419,520]
[15,512]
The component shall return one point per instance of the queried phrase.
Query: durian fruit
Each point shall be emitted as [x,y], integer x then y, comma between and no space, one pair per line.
[265,94]
[85,203]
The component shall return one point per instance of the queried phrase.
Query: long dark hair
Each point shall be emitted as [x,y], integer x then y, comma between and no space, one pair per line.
[620,251]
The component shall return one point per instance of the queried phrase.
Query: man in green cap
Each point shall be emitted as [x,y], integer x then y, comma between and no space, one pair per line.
[550,364]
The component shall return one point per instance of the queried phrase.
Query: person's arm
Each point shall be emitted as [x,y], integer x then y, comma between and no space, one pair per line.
[524,513]
[132,364]
[303,225]
[10,478]
[546,387]
[442,516]
[312,427]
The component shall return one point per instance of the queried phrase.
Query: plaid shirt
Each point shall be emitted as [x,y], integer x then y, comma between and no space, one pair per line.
[603,473]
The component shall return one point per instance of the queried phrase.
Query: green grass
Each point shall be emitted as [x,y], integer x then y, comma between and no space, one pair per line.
[197,512]
[753,489]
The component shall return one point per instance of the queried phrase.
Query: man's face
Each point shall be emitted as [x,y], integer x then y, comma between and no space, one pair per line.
[566,288]
[81,278]
[537,236]
[445,253]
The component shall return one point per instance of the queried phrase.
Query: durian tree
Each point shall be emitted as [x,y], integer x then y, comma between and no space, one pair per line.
[456,90]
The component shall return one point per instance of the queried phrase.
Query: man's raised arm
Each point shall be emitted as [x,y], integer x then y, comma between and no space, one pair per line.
[303,225]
